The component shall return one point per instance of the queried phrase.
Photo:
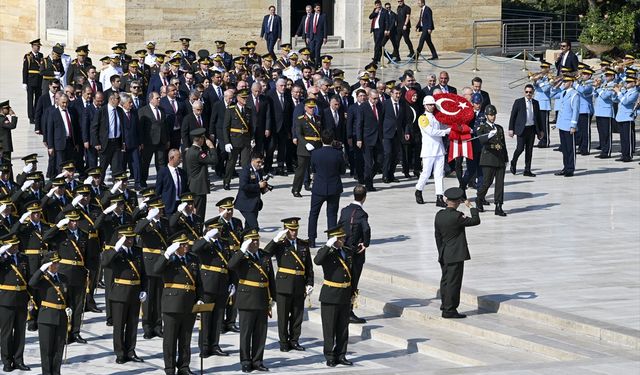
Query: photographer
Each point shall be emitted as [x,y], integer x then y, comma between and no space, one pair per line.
[252,186]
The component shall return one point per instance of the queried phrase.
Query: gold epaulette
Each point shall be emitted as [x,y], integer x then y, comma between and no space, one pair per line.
[300,117]
[231,107]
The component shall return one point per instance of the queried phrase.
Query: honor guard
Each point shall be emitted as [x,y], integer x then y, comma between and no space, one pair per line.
[567,124]
[7,187]
[54,318]
[15,300]
[336,296]
[625,116]
[308,128]
[185,218]
[142,209]
[180,272]
[213,252]
[294,282]
[227,59]
[7,218]
[187,55]
[55,200]
[584,87]
[8,122]
[120,186]
[30,190]
[150,57]
[604,111]
[255,297]
[153,233]
[124,259]
[252,57]
[493,160]
[97,189]
[30,166]
[31,78]
[542,86]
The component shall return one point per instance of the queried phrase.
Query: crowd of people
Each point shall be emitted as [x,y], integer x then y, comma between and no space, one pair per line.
[65,232]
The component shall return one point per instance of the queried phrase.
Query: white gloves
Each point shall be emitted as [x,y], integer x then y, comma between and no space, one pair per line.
[232,290]
[210,234]
[153,213]
[309,289]
[76,200]
[2,207]
[228,147]
[51,191]
[119,244]
[62,222]
[116,186]
[45,266]
[110,209]
[24,86]
[200,302]
[62,174]
[68,311]
[142,205]
[171,249]
[280,235]
[253,143]
[88,180]
[28,168]
[24,217]
[309,147]
[331,241]
[492,133]
[181,207]
[272,303]
[143,296]
[4,248]
[447,130]
[245,246]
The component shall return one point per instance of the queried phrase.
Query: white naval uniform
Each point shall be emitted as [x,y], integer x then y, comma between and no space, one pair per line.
[432,152]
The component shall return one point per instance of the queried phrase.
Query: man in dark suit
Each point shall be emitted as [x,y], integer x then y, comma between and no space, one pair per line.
[392,20]
[92,81]
[443,83]
[154,136]
[429,86]
[367,134]
[171,182]
[282,109]
[334,117]
[525,123]
[116,82]
[252,186]
[46,100]
[159,80]
[271,30]
[200,155]
[106,134]
[393,127]
[566,59]
[216,128]
[453,250]
[88,115]
[327,165]
[304,29]
[63,133]
[192,122]
[379,28]
[175,111]
[476,86]
[356,162]
[426,26]
[261,114]
[131,139]
[318,33]
[404,27]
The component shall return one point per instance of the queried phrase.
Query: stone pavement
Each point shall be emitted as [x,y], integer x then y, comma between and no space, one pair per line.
[569,249]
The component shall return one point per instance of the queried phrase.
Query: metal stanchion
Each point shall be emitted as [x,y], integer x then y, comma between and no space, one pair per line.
[475,61]
[524,68]
[417,57]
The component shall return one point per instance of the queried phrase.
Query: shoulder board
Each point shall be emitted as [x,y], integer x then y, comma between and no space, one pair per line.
[304,242]
[231,107]
[83,231]
[126,74]
[74,61]
[300,117]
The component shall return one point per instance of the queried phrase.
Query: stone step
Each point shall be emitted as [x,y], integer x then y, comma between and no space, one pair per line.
[607,333]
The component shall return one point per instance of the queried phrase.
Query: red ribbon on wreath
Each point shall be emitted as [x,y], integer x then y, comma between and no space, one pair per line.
[456,112]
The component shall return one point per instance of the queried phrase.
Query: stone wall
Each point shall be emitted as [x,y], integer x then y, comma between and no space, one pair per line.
[19,21]
[99,23]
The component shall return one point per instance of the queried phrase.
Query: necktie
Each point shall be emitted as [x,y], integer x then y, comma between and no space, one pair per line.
[282,100]
[306,27]
[15,259]
[68,123]
[256,257]
[115,123]
[219,93]
[375,111]
[199,121]
[257,104]
[55,278]
[183,260]
[315,23]
[135,101]
[335,117]
[157,114]
[345,102]
[93,86]
[231,224]
[177,182]
[173,105]
[395,107]
[270,23]
[307,83]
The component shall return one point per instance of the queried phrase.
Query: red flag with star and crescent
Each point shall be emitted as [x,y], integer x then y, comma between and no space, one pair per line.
[456,112]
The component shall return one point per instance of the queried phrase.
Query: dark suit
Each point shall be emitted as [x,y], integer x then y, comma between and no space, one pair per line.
[271,31]
[379,32]
[189,123]
[64,147]
[369,131]
[486,99]
[154,137]
[447,88]
[355,221]
[197,162]
[393,128]
[402,12]
[261,118]
[282,117]
[155,83]
[356,163]
[570,62]
[392,20]
[90,154]
[526,135]
[43,103]
[166,188]
[110,140]
[318,33]
[174,119]
[13,307]
[453,251]
[98,86]
[132,141]
[328,165]
[340,128]
[248,200]
[426,25]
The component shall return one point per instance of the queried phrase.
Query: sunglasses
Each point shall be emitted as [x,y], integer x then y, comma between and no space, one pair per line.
[528,92]
[563,46]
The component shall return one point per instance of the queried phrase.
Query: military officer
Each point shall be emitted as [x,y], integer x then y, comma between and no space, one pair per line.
[308,128]
[185,218]
[150,57]
[77,73]
[186,53]
[256,288]
[54,319]
[8,122]
[253,57]
[604,110]
[97,188]
[70,242]
[51,67]
[125,261]
[30,190]
[7,187]
[7,218]
[198,158]
[237,134]
[143,208]
[14,298]
[120,186]
[452,249]
[493,160]
[30,230]
[213,252]
[231,231]
[153,233]
[567,124]
[227,58]
[30,166]
[625,116]
[55,200]
[31,78]
[584,87]
[335,296]
[180,272]
[294,281]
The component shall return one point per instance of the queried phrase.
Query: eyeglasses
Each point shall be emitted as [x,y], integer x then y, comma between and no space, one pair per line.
[528,92]
[563,46]
[134,87]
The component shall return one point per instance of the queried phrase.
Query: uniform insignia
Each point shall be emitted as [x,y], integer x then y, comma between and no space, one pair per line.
[231,106]
[203,155]
[423,121]
[300,117]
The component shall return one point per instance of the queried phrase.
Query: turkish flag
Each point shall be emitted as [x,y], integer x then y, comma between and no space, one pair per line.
[456,112]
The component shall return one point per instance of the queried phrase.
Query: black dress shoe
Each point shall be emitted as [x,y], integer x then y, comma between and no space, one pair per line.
[234,328]
[557,149]
[499,211]
[568,174]
[9,368]
[101,285]
[433,58]
[298,347]
[512,169]
[226,186]
[559,173]
[109,323]
[285,347]
[77,338]
[624,160]
[260,368]
[407,175]
[479,206]
[297,194]
[419,199]
[307,187]
[353,318]
[121,360]
[371,188]
[148,335]
[93,309]
[529,174]
[21,367]
[331,363]
[453,315]
[312,243]
[135,358]
[584,153]
[186,372]
[247,368]
[394,180]
[344,361]
[440,201]
[603,156]
[32,326]
[386,181]
[217,351]
[158,332]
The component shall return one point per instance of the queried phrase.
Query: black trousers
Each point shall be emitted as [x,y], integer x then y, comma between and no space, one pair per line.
[13,322]
[525,143]
[75,299]
[125,327]
[52,340]
[33,94]
[426,37]
[315,45]
[243,153]
[378,39]
[605,131]
[93,283]
[411,158]
[271,39]
[626,139]
[111,155]
[211,322]
[178,328]
[390,147]
[370,164]
[333,202]
[175,139]
[230,310]
[583,136]
[545,141]
[278,140]
[357,166]
[250,219]
[152,307]
[568,148]
[298,178]
[290,313]
[395,42]
[253,335]
[200,203]
[335,329]
[407,38]
[107,275]
[450,285]
[149,151]
[498,192]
